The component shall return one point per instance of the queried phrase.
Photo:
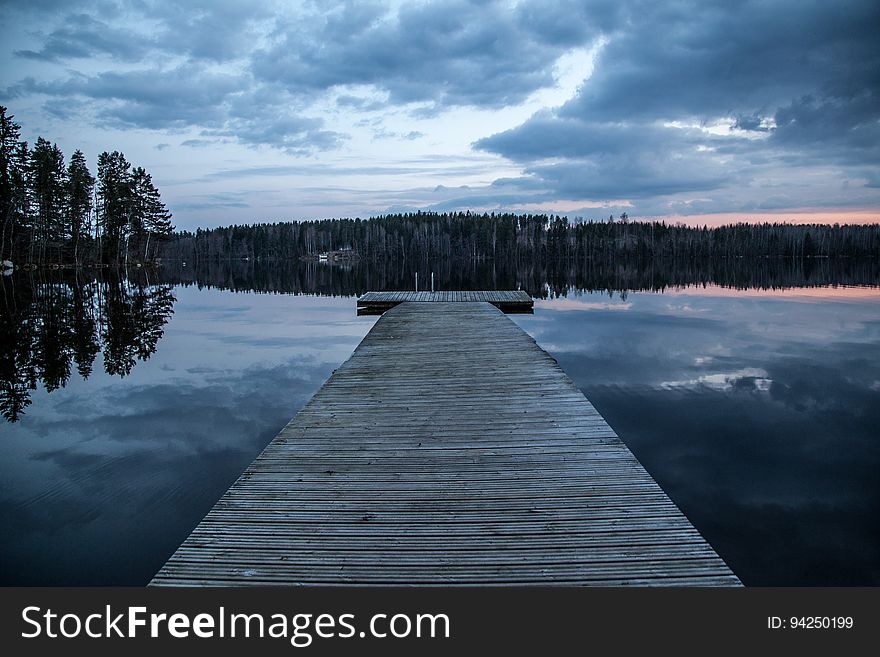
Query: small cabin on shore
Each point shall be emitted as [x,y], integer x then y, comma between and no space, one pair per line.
[340,255]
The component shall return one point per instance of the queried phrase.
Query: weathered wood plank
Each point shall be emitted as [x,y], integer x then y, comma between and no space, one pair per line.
[449,449]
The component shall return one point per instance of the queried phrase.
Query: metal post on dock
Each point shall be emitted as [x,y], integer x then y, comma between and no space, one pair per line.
[417,281]
[432,281]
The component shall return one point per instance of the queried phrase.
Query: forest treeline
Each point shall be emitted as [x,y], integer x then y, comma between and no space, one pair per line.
[424,236]
[57,213]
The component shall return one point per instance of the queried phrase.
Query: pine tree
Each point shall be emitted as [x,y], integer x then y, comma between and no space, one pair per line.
[47,185]
[21,212]
[151,219]
[9,175]
[157,218]
[115,194]
[141,184]
[80,186]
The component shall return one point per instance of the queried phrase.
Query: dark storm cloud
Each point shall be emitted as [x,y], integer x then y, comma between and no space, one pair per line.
[212,30]
[443,53]
[845,129]
[83,36]
[800,84]
[440,53]
[633,175]
[796,83]
[180,85]
[755,122]
[699,60]
[190,96]
[569,22]
[161,98]
[151,98]
[548,135]
[609,160]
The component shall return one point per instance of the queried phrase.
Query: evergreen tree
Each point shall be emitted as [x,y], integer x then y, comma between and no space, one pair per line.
[21,210]
[80,187]
[153,221]
[115,194]
[158,219]
[140,185]
[9,145]
[47,185]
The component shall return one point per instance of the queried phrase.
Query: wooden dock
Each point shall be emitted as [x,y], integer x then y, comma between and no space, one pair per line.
[448,450]
[508,301]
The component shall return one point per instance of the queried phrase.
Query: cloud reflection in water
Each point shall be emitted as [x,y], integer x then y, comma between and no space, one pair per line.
[104,478]
[758,414]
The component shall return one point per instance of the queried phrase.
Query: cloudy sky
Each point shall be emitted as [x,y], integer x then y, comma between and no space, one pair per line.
[272,110]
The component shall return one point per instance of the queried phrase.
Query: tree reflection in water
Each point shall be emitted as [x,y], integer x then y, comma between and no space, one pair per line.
[51,321]
[541,278]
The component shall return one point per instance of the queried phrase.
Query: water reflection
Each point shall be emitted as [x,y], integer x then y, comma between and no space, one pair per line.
[758,415]
[756,410]
[101,480]
[542,279]
[52,321]
[49,324]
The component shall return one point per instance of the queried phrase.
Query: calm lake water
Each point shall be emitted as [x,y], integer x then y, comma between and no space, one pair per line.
[757,411]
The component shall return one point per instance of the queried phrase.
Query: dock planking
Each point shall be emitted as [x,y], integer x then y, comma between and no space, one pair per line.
[508,301]
[448,450]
